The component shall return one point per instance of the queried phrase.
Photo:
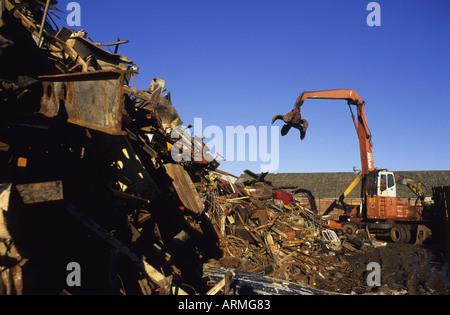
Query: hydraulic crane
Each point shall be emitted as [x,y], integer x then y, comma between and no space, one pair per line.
[379,208]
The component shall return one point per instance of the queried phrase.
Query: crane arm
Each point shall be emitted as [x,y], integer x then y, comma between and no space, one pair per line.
[414,186]
[343,94]
[294,119]
[344,195]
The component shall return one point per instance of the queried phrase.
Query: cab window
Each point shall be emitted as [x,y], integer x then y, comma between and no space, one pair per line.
[391,181]
[372,185]
[383,182]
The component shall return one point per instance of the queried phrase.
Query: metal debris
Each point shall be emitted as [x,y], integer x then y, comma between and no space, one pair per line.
[87,176]
[279,238]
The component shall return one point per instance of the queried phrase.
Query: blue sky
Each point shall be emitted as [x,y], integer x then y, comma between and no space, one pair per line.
[237,63]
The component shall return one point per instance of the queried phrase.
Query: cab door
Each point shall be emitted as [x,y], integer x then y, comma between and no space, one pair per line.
[387,195]
[386,185]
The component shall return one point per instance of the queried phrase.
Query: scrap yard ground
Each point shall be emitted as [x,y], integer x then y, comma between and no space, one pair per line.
[98,195]
[406,269]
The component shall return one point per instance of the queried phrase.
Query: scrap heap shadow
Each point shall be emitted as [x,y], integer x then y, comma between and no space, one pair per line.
[86,170]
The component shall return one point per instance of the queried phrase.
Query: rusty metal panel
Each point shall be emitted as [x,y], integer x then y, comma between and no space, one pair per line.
[185,188]
[94,100]
[41,192]
[169,116]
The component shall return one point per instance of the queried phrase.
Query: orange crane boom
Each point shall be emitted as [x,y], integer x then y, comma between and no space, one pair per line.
[293,119]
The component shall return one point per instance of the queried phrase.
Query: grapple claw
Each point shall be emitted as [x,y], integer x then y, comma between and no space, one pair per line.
[285,129]
[292,119]
[277,117]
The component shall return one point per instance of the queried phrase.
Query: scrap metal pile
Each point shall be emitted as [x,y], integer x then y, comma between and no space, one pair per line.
[267,232]
[88,179]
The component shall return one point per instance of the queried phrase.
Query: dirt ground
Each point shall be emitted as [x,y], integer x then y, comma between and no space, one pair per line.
[405,270]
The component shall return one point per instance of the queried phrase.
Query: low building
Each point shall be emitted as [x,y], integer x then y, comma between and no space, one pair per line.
[318,190]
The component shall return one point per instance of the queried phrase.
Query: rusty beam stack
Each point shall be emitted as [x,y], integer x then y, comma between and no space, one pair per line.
[87,177]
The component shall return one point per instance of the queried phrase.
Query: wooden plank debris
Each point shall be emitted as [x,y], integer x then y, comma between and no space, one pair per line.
[185,188]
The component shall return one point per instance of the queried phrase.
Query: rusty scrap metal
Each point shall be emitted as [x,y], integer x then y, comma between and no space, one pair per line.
[119,42]
[54,43]
[96,57]
[77,120]
[44,20]
[153,99]
[93,100]
[294,244]
[151,273]
[182,227]
[185,188]
[41,192]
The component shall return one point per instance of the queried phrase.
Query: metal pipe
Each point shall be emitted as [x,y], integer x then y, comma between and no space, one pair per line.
[44,18]
[119,42]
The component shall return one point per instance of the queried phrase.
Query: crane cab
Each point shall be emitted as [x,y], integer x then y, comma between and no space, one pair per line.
[386,185]
[381,183]
[381,198]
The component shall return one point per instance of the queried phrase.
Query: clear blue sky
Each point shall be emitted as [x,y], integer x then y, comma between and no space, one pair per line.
[241,62]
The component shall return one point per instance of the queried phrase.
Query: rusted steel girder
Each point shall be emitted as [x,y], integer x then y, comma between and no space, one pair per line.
[94,99]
